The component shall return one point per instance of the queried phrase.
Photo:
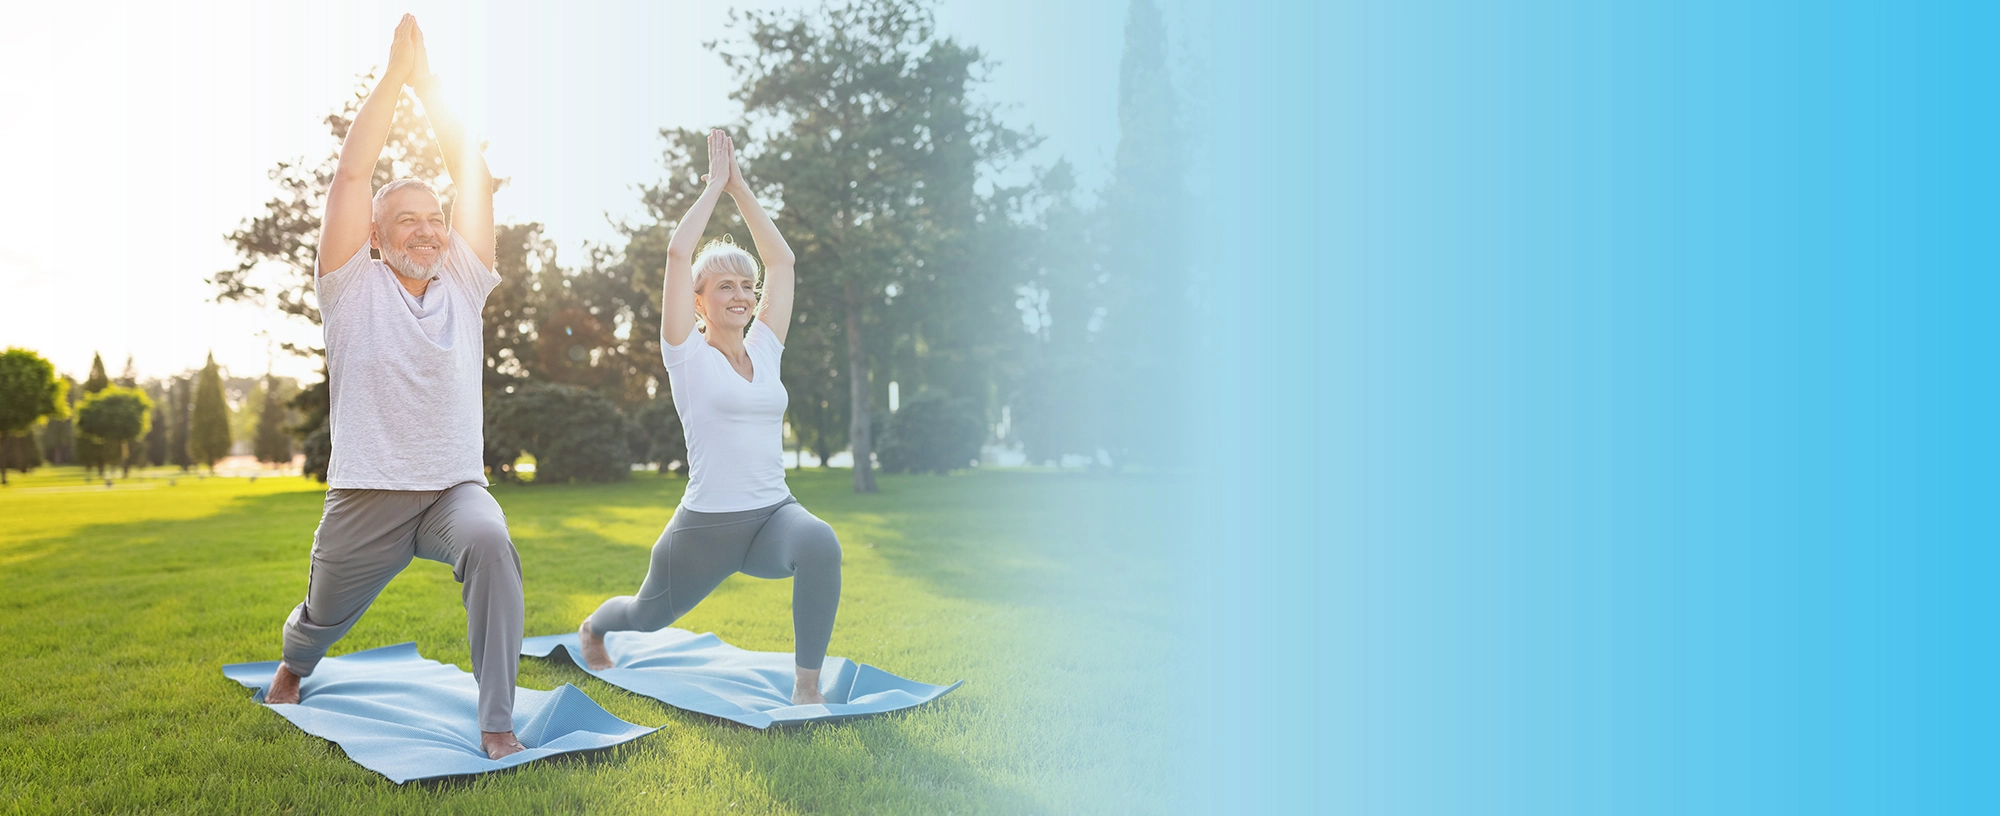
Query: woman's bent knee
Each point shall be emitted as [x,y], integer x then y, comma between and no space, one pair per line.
[818,545]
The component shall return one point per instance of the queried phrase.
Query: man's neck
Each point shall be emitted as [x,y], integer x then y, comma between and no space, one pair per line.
[417,288]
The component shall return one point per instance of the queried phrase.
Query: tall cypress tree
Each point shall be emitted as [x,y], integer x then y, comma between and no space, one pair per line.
[273,444]
[208,428]
[180,402]
[156,439]
[95,453]
[98,380]
[1147,287]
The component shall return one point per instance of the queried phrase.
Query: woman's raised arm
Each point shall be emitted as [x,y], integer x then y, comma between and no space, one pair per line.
[677,296]
[775,309]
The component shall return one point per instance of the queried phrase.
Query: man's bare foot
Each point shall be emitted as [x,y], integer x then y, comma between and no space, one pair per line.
[805,689]
[594,655]
[284,688]
[499,743]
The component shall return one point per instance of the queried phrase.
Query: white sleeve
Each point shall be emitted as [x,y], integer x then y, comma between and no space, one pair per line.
[764,346]
[674,354]
[761,335]
[463,265]
[330,286]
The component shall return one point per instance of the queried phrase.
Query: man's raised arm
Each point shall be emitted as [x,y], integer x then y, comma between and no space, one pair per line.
[472,207]
[349,200]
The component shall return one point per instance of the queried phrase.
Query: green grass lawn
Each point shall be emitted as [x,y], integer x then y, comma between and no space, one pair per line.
[119,605]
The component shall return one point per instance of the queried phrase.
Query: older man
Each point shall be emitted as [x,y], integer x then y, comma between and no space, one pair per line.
[404,361]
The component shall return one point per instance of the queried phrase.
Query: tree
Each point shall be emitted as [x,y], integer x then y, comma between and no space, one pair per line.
[318,448]
[22,452]
[1057,404]
[208,425]
[29,393]
[932,432]
[314,404]
[156,439]
[574,433]
[1146,317]
[180,401]
[93,453]
[273,444]
[59,432]
[114,418]
[865,127]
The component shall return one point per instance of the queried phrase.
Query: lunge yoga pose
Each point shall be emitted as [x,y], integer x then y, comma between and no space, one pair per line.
[737,514]
[404,361]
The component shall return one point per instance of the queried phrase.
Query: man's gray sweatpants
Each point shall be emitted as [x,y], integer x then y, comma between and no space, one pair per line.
[368,536]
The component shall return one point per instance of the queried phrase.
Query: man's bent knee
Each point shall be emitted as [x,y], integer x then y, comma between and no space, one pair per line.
[485,545]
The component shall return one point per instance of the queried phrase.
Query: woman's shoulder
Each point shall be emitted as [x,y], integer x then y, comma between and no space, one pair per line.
[763,339]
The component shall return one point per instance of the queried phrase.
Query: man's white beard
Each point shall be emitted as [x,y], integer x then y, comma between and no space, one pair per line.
[400,261]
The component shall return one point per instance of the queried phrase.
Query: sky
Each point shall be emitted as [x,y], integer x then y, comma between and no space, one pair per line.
[135,136]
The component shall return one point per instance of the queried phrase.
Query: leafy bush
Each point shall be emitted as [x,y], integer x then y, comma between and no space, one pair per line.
[573,433]
[318,449]
[658,437]
[931,433]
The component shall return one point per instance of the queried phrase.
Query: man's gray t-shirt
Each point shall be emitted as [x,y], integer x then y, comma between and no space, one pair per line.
[405,373]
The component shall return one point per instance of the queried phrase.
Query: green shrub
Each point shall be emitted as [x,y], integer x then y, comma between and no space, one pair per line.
[573,433]
[931,432]
[318,449]
[657,435]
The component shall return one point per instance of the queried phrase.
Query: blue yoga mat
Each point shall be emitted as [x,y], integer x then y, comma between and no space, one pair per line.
[406,718]
[700,673]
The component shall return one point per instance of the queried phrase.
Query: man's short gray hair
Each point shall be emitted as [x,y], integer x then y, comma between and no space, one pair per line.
[382,195]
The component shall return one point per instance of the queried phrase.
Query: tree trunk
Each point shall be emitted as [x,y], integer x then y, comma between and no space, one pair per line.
[3,457]
[125,460]
[857,390]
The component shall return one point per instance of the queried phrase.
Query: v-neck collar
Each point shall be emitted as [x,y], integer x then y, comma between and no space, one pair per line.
[752,379]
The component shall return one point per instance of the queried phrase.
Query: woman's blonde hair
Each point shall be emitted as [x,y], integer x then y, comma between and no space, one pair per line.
[723,257]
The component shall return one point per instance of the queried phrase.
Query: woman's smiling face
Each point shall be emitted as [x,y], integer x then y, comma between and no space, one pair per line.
[728,301]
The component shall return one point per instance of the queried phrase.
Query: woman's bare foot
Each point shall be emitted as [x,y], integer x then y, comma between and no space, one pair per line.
[499,743]
[284,688]
[805,689]
[594,655]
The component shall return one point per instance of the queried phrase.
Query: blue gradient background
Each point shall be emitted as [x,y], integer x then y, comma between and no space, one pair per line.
[1602,403]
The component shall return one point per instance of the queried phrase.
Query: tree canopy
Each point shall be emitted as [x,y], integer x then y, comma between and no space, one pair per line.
[29,393]
[115,417]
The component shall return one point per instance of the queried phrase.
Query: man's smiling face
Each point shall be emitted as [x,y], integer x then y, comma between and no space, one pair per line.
[410,231]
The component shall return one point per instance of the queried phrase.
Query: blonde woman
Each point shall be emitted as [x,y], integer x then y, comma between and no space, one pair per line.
[737,515]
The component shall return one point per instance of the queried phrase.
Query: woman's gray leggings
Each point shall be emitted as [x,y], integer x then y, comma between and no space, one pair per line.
[698,550]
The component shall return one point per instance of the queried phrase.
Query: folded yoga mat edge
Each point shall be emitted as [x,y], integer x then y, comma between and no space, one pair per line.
[880,692]
[358,693]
